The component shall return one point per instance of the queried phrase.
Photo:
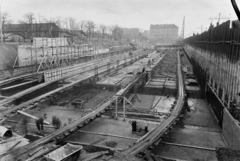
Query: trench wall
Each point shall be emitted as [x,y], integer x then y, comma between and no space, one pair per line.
[229,125]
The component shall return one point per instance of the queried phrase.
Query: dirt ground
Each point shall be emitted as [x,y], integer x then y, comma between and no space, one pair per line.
[118,131]
[62,109]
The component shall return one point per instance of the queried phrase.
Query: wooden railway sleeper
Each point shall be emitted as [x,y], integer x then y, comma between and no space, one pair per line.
[80,126]
[66,133]
[157,142]
[73,129]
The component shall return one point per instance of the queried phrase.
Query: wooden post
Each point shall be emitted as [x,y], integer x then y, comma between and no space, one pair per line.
[124,108]
[116,108]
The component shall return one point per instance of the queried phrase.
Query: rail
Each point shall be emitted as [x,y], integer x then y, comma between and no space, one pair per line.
[102,64]
[65,131]
[2,82]
[33,102]
[159,131]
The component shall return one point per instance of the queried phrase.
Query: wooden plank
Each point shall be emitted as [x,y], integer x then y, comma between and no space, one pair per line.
[95,155]
[34,117]
[189,146]
[104,134]
[87,144]
[18,85]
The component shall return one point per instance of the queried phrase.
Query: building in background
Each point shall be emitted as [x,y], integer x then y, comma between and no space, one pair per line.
[163,33]
[131,33]
[146,33]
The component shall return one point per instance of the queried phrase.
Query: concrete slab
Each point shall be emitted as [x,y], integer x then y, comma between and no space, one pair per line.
[200,114]
[123,73]
[201,130]
[110,127]
[66,113]
[145,101]
[115,127]
[184,153]
[197,137]
[164,105]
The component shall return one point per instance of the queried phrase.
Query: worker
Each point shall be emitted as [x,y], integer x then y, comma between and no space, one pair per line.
[146,129]
[39,123]
[184,111]
[143,70]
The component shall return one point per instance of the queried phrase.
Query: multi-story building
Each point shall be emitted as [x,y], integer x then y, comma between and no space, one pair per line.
[131,33]
[146,33]
[163,32]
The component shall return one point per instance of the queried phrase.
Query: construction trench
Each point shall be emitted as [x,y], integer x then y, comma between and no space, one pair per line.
[129,113]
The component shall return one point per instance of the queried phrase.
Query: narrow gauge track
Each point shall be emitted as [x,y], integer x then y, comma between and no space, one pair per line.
[23,88]
[139,146]
[37,100]
[6,81]
[84,69]
[67,130]
[154,136]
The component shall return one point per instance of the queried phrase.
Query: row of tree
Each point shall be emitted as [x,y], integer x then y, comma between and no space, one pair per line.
[71,24]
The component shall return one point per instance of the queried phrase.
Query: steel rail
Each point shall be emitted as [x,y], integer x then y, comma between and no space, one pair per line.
[67,130]
[33,102]
[165,127]
[84,66]
[2,82]
[27,91]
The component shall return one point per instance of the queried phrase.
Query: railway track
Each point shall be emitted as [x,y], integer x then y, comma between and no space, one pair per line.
[84,68]
[17,87]
[150,139]
[153,137]
[71,128]
[3,82]
[35,101]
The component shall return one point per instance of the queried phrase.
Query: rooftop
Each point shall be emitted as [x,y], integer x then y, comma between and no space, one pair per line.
[163,26]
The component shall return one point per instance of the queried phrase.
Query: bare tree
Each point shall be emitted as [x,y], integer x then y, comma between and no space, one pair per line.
[29,17]
[28,20]
[82,25]
[103,30]
[90,25]
[116,32]
[65,23]
[5,20]
[72,24]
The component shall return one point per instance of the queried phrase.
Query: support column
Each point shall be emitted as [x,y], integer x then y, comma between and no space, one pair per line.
[124,109]
[108,67]
[116,107]
[96,73]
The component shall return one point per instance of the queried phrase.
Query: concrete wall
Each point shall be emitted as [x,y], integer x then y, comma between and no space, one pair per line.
[230,127]
[231,130]
[8,53]
[5,74]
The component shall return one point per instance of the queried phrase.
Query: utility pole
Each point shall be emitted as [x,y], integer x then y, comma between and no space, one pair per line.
[183,26]
[219,18]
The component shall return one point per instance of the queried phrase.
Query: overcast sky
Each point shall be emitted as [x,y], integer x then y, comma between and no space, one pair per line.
[127,13]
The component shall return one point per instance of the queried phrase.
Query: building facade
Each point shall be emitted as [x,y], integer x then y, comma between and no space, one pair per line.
[163,32]
[131,33]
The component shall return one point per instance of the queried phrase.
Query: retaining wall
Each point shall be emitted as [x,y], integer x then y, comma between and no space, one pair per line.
[231,130]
